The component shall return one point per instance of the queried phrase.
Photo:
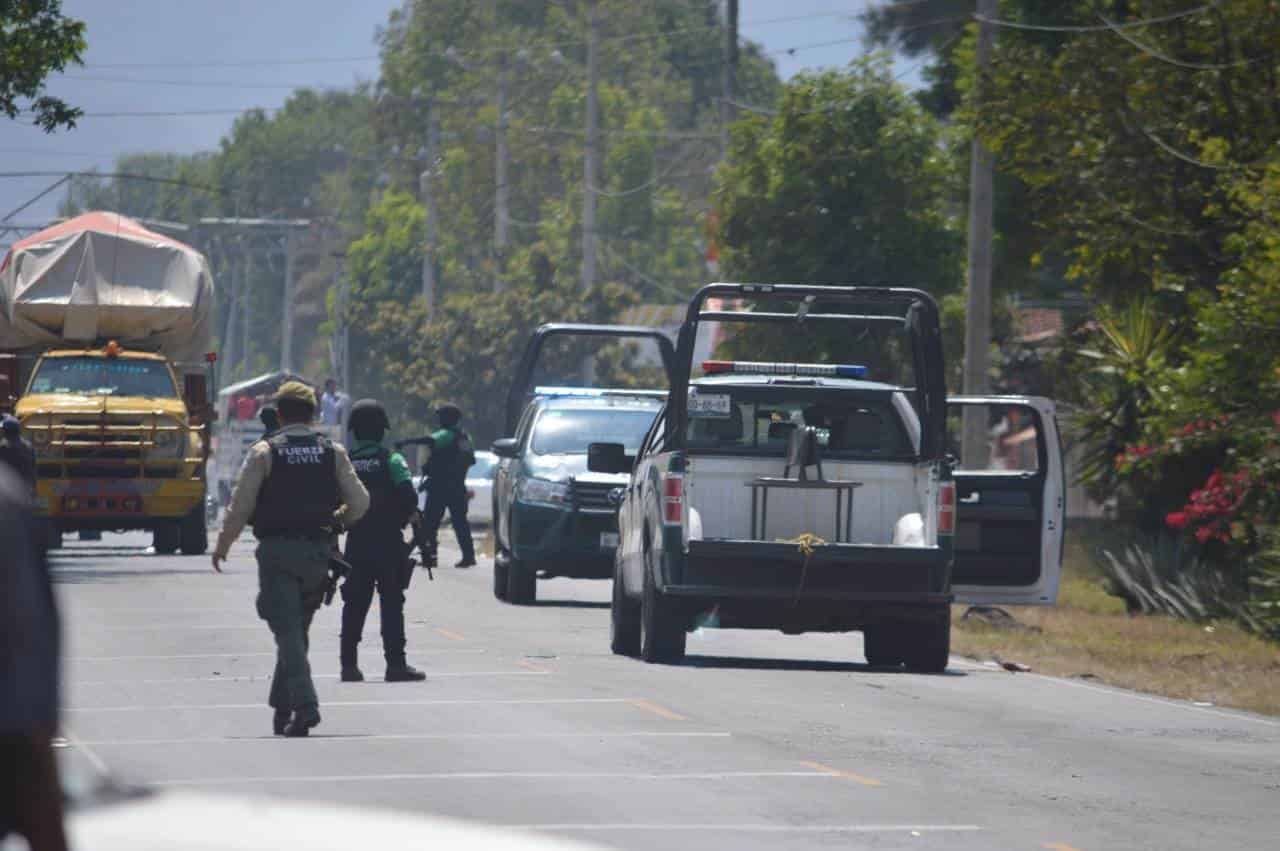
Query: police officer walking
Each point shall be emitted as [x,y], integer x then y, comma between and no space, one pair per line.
[297,486]
[375,547]
[452,453]
[16,452]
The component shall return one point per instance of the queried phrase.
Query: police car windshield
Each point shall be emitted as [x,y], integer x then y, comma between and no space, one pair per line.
[104,377]
[567,432]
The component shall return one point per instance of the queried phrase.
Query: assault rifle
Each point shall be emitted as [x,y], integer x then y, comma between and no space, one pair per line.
[338,569]
[426,557]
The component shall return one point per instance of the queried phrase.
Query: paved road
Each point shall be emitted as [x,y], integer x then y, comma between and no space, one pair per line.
[758,741]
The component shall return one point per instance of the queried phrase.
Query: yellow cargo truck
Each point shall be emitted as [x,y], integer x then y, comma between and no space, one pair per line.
[109,327]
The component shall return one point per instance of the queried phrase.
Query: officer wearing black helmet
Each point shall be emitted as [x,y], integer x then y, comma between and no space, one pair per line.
[374,546]
[452,453]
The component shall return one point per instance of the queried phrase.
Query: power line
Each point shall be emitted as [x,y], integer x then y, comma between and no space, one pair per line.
[197,84]
[1180,63]
[337,60]
[1068,28]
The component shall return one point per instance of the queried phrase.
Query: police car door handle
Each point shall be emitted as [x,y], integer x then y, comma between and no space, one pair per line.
[972,499]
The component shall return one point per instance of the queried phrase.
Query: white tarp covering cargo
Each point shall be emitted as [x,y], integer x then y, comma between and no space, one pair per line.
[103,276]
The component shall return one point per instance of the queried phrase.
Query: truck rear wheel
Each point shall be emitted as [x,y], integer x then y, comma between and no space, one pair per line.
[662,635]
[193,535]
[882,645]
[167,537]
[624,619]
[928,647]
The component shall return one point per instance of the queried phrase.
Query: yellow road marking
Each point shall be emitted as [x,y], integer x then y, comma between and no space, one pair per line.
[836,772]
[449,634]
[660,711]
[1059,846]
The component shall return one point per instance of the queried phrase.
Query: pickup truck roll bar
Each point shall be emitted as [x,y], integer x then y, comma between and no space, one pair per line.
[920,317]
[520,385]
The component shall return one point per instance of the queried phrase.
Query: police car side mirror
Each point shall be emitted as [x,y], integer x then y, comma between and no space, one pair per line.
[507,447]
[608,458]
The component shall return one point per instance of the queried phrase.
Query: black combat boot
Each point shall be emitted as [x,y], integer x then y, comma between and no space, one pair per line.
[350,670]
[302,721]
[467,561]
[279,721]
[403,672]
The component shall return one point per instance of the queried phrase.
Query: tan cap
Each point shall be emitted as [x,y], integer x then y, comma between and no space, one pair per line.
[296,391]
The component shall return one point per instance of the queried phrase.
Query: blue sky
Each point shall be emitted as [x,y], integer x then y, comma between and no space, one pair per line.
[192,55]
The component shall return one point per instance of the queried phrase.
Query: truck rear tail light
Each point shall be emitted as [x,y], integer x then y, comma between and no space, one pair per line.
[673,498]
[947,508]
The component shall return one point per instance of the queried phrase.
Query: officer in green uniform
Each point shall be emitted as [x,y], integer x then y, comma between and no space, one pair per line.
[298,487]
[375,546]
[452,453]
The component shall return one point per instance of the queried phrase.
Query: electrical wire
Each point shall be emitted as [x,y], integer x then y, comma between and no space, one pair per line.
[1085,28]
[336,60]
[1180,63]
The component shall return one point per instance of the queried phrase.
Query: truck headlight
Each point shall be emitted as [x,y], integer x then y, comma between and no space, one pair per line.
[542,492]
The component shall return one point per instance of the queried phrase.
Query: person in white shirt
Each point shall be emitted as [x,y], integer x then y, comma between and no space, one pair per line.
[333,404]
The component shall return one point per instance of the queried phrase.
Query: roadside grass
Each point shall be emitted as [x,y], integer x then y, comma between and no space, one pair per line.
[1089,635]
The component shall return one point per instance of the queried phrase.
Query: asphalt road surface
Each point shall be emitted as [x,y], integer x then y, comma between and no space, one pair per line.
[758,741]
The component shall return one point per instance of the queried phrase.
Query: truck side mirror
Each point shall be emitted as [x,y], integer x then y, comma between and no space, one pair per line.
[506,447]
[608,458]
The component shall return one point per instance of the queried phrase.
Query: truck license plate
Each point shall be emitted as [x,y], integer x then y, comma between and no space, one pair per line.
[710,405]
[608,540]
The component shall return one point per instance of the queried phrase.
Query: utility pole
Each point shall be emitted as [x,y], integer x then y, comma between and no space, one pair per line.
[977,330]
[502,192]
[246,276]
[286,341]
[429,201]
[729,73]
[340,346]
[592,152]
[227,361]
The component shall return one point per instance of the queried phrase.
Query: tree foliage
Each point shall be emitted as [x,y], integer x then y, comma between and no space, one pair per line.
[847,184]
[36,40]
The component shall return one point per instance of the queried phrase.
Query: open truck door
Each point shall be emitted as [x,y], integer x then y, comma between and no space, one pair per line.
[1010,503]
[522,389]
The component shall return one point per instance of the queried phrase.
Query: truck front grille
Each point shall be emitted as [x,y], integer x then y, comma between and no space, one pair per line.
[592,496]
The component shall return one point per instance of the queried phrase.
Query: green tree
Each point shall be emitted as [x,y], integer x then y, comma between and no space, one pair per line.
[36,40]
[847,184]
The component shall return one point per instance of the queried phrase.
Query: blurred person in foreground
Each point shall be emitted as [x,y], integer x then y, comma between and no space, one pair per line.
[16,452]
[375,547]
[300,489]
[452,454]
[30,795]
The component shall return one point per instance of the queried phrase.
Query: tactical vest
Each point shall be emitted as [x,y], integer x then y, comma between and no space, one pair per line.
[301,493]
[448,464]
[375,474]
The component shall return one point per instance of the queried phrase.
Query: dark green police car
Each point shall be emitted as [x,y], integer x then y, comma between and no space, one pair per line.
[551,515]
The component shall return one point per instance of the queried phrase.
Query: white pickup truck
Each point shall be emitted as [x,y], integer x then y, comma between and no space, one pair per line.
[828,497]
